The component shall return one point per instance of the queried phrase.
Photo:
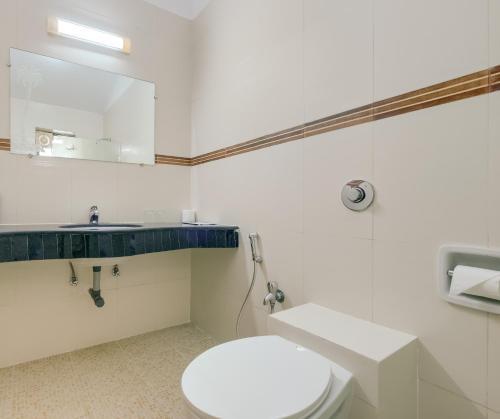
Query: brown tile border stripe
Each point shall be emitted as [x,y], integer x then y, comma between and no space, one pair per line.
[495,78]
[292,134]
[4,144]
[474,84]
[159,158]
[179,161]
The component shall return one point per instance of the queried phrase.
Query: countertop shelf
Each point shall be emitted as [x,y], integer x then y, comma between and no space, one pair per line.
[40,242]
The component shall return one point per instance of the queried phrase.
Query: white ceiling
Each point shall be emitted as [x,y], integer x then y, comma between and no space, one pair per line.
[185,8]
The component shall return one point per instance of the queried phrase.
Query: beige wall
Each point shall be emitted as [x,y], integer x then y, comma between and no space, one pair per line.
[262,66]
[40,314]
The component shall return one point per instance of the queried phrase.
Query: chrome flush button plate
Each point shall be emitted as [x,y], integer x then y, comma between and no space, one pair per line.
[358,195]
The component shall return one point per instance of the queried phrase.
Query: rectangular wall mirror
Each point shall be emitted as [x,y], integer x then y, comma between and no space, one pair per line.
[61,109]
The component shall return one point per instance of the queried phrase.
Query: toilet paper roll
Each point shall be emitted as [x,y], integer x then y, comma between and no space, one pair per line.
[188,216]
[475,281]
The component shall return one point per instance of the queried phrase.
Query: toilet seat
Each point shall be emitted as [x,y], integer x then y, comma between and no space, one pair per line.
[259,377]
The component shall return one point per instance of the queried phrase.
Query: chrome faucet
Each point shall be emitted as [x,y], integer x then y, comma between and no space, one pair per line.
[94,215]
[275,295]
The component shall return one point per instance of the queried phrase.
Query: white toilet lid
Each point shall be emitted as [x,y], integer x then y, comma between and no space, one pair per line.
[260,377]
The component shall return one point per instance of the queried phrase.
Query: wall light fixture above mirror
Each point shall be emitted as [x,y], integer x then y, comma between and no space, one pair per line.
[69,29]
[62,109]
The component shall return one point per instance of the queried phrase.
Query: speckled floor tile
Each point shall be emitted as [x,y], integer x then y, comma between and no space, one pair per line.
[7,409]
[7,381]
[134,378]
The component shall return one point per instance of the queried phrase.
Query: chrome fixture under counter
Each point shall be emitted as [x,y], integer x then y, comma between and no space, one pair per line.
[95,291]
[94,215]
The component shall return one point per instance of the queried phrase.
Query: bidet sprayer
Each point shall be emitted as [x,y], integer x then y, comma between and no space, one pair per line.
[253,245]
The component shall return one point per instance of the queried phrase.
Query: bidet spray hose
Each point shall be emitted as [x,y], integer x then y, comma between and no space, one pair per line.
[256,258]
[246,299]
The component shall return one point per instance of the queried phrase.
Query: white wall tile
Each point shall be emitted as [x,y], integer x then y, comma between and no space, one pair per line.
[278,179]
[338,56]
[41,280]
[8,20]
[43,190]
[219,286]
[406,298]
[171,266]
[418,43]
[338,273]
[9,180]
[362,410]
[253,322]
[493,415]
[152,188]
[436,403]
[330,161]
[93,183]
[494,169]
[162,305]
[8,279]
[494,25]
[92,325]
[264,194]
[232,60]
[173,104]
[36,331]
[428,166]
[6,350]
[494,362]
[217,189]
[239,81]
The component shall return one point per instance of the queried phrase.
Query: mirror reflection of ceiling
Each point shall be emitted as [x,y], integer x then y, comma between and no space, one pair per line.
[49,80]
[185,8]
[61,109]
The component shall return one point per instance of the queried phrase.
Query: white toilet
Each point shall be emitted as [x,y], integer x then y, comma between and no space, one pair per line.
[265,377]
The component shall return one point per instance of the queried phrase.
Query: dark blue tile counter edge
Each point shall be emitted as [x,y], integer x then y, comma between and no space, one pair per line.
[19,243]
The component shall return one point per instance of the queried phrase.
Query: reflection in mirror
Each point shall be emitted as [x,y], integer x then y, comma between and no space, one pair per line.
[62,109]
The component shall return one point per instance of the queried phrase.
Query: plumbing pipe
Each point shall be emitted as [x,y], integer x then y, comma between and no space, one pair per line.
[95,291]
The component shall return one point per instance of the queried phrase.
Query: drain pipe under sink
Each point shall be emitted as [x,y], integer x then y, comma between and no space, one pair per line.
[95,291]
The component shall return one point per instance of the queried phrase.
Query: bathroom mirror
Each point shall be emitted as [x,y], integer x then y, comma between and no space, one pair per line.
[61,109]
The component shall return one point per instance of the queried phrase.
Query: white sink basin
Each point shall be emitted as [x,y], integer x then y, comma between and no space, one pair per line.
[101,227]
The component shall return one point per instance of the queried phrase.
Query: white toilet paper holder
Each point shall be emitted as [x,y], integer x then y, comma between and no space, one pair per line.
[452,255]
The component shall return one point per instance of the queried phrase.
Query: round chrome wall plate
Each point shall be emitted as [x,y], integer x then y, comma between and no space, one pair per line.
[358,195]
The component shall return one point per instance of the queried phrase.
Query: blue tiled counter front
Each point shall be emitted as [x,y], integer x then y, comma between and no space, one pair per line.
[22,243]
